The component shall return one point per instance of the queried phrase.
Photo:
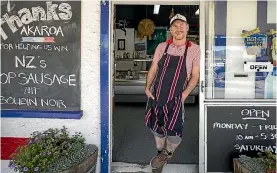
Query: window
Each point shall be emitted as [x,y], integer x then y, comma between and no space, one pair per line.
[241,51]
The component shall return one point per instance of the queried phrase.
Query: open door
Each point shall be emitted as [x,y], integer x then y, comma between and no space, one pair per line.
[116,67]
[205,16]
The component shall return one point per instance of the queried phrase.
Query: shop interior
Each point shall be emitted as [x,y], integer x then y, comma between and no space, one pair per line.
[137,31]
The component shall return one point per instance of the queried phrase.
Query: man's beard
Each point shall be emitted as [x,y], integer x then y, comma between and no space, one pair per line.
[179,37]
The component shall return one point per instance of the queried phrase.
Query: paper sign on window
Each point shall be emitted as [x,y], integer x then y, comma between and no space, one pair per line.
[256,43]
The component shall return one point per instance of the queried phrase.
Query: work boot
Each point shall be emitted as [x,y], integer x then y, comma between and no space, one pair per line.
[160,159]
[159,170]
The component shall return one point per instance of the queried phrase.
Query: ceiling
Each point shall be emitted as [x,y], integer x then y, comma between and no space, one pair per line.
[134,13]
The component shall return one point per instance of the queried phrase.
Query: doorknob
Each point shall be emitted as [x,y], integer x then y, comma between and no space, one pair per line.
[202,86]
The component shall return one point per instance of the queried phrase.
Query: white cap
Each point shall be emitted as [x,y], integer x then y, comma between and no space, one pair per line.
[178,17]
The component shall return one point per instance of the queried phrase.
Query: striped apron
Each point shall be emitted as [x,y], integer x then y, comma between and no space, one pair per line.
[164,114]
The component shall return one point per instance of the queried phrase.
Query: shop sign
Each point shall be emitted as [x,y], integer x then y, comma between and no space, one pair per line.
[41,56]
[233,130]
[258,67]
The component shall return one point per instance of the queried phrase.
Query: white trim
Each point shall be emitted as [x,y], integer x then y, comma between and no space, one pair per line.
[134,168]
[224,101]
[155,2]
[208,90]
[210,21]
[238,105]
[202,94]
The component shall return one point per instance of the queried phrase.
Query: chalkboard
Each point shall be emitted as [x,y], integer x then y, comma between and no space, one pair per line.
[235,130]
[40,55]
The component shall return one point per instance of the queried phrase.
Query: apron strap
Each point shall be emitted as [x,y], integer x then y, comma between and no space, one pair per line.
[166,48]
[185,57]
[186,50]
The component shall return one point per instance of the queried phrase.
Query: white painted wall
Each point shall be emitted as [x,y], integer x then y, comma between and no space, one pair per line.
[89,125]
[271,12]
[241,15]
[129,41]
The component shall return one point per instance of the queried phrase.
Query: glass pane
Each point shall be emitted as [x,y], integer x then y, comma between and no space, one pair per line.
[240,50]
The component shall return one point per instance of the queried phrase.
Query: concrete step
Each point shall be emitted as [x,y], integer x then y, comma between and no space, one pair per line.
[120,167]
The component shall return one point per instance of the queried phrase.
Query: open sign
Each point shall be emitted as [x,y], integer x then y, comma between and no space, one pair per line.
[258,67]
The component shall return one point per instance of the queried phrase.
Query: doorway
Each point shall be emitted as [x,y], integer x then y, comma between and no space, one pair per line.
[132,143]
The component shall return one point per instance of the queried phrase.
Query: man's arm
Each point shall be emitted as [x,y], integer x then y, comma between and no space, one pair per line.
[151,74]
[193,81]
[194,74]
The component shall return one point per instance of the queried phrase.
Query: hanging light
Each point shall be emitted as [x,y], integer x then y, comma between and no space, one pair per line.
[156,9]
[197,12]
[8,6]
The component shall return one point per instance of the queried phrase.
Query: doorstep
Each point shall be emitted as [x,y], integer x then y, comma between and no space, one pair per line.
[120,167]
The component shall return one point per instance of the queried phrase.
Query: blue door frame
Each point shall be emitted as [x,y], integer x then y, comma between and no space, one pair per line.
[104,85]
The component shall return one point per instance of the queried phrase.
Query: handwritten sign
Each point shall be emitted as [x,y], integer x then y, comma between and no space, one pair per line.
[40,55]
[235,130]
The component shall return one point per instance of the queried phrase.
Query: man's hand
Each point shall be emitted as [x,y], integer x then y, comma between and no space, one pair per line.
[184,97]
[149,94]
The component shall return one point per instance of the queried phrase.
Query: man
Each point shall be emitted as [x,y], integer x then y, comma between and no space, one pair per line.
[174,73]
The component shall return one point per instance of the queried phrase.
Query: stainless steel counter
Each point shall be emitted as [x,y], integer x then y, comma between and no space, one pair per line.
[133,91]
